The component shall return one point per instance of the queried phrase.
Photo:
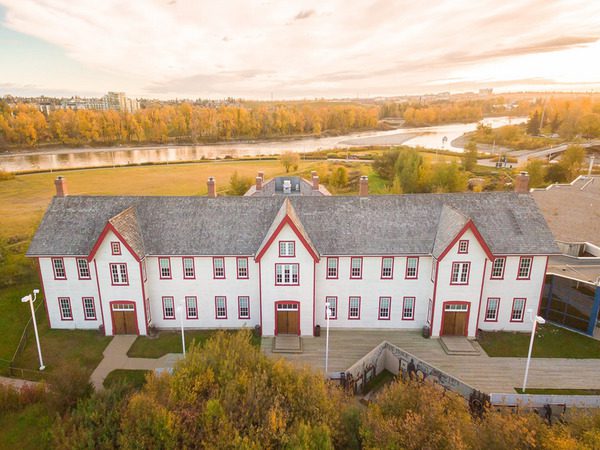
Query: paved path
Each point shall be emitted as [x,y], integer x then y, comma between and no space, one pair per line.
[115,357]
[17,383]
[482,372]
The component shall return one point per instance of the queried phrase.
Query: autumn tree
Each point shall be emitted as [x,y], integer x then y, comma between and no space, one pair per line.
[572,160]
[239,185]
[339,178]
[289,160]
[533,125]
[536,169]
[470,155]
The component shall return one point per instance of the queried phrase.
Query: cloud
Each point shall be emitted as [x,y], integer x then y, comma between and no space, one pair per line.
[305,14]
[251,49]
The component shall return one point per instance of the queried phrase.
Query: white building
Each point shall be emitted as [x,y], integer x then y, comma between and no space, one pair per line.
[453,262]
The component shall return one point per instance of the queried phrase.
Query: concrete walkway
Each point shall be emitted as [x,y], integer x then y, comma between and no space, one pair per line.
[115,357]
[500,375]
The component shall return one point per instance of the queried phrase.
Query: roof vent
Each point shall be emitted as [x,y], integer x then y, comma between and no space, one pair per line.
[287,186]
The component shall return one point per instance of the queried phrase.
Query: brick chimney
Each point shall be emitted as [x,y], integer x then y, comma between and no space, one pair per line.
[61,187]
[259,181]
[522,183]
[313,173]
[363,186]
[261,175]
[315,181]
[212,187]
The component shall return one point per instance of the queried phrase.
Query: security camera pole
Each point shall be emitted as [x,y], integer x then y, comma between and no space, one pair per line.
[31,299]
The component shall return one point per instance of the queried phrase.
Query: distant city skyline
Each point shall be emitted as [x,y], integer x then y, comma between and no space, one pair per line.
[328,48]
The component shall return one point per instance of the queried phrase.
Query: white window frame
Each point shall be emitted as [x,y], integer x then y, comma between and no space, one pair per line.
[118,274]
[412,270]
[460,273]
[66,309]
[491,314]
[332,303]
[287,274]
[387,270]
[408,308]
[385,308]
[332,267]
[242,268]
[518,314]
[191,307]
[243,304]
[164,269]
[521,275]
[89,308]
[287,249]
[498,268]
[60,271]
[219,268]
[189,270]
[168,303]
[354,308]
[220,307]
[356,269]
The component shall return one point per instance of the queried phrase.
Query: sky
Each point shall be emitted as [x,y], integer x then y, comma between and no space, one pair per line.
[296,49]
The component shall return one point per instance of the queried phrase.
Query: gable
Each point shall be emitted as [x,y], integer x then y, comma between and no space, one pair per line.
[272,239]
[468,229]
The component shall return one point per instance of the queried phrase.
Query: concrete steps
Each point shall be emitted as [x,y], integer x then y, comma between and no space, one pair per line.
[287,344]
[458,345]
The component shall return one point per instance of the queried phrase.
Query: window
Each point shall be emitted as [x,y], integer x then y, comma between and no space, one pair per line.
[463,246]
[89,309]
[189,271]
[332,267]
[221,307]
[168,308]
[354,308]
[115,248]
[387,268]
[408,308]
[58,264]
[242,267]
[355,267]
[83,269]
[165,268]
[384,308]
[518,310]
[191,306]
[498,268]
[286,274]
[331,302]
[219,267]
[491,311]
[118,273]
[244,307]
[460,273]
[412,267]
[287,248]
[524,268]
[64,304]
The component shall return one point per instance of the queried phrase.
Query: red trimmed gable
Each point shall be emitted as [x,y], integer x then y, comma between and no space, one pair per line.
[468,226]
[287,221]
[107,228]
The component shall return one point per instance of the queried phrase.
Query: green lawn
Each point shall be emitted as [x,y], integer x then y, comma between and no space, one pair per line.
[379,381]
[170,342]
[13,317]
[61,349]
[132,378]
[26,429]
[550,342]
[559,391]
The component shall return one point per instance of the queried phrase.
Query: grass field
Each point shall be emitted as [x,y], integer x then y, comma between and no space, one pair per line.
[131,378]
[170,342]
[13,317]
[61,349]
[550,342]
[26,429]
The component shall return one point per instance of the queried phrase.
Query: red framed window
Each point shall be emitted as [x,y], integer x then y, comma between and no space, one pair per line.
[354,308]
[356,268]
[221,307]
[491,310]
[118,274]
[89,308]
[518,310]
[498,268]
[115,248]
[287,248]
[408,308]
[387,268]
[412,267]
[460,273]
[64,304]
[332,267]
[524,272]
[219,267]
[191,307]
[287,274]
[242,268]
[189,271]
[83,269]
[244,307]
[331,302]
[164,266]
[168,308]
[58,265]
[385,308]
[463,246]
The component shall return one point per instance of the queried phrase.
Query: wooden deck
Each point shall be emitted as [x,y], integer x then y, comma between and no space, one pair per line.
[480,371]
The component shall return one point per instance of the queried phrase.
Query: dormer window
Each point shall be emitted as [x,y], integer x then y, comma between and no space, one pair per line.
[287,248]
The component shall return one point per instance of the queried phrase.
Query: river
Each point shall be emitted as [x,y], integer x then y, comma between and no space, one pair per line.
[69,158]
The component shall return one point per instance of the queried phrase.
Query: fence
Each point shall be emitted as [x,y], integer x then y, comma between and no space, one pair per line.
[10,368]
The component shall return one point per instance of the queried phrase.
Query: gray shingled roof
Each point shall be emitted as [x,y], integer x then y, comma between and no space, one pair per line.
[373,225]
[450,223]
[127,224]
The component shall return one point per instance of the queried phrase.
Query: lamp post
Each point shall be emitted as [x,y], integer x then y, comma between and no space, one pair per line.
[29,298]
[327,315]
[180,312]
[536,320]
